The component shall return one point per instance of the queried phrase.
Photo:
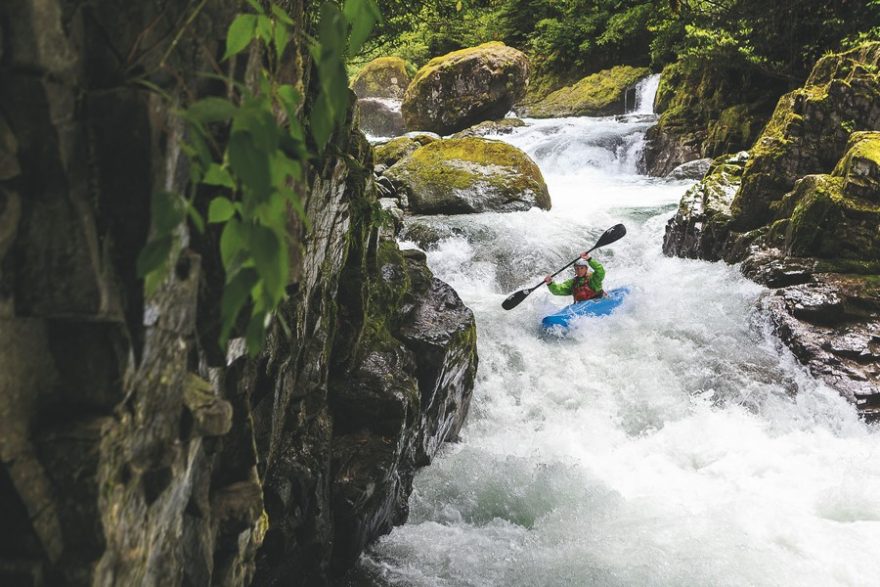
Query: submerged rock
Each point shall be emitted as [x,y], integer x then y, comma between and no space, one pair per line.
[457,90]
[601,94]
[459,176]
[385,77]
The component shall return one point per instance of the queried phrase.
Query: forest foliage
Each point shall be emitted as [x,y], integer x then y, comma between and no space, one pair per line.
[573,38]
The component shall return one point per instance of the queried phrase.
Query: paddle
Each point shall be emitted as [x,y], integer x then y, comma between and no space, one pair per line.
[611,235]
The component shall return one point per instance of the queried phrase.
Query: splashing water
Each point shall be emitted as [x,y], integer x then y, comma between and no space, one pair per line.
[661,445]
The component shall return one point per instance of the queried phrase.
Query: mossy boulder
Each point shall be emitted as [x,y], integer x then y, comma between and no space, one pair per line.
[838,215]
[385,77]
[459,176]
[601,94]
[809,130]
[700,226]
[455,91]
[391,152]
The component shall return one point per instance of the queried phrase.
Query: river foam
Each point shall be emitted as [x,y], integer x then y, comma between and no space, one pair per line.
[671,443]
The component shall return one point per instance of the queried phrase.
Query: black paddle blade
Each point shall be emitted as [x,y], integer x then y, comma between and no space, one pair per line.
[514,299]
[611,235]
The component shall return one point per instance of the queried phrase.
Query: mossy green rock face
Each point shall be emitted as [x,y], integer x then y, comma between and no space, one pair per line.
[385,77]
[600,94]
[705,112]
[838,215]
[455,91]
[809,130]
[399,147]
[460,176]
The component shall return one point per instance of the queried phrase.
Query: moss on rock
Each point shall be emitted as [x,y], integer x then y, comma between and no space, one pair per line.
[457,90]
[385,77]
[603,93]
[809,130]
[397,148]
[455,176]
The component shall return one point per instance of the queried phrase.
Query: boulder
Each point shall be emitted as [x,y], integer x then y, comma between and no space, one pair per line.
[699,228]
[380,117]
[837,215]
[455,91]
[385,77]
[696,169]
[392,151]
[459,176]
[601,94]
[809,130]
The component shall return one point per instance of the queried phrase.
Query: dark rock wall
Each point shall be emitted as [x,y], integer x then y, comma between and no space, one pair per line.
[133,451]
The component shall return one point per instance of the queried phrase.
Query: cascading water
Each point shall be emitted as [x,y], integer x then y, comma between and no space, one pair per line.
[661,445]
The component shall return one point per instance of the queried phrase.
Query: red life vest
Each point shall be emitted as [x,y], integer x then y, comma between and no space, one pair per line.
[584,292]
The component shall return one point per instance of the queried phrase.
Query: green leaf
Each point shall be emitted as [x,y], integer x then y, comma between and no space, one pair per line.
[241,32]
[212,109]
[322,122]
[264,29]
[289,98]
[270,258]
[256,332]
[167,212]
[195,217]
[154,255]
[256,6]
[361,15]
[281,37]
[281,15]
[232,241]
[296,203]
[218,176]
[255,117]
[235,295]
[220,210]
[250,164]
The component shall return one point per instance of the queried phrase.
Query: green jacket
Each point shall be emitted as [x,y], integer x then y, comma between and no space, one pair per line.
[563,288]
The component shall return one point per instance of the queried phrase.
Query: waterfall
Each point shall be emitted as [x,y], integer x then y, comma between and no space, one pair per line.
[646,89]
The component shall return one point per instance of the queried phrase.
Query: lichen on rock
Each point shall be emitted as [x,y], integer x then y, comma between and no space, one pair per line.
[456,176]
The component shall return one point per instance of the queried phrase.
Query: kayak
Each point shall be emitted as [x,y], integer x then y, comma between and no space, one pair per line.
[595,307]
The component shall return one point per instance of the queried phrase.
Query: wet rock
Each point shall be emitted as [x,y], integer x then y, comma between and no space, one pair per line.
[380,117]
[700,226]
[490,127]
[696,169]
[385,77]
[459,176]
[600,94]
[212,415]
[455,91]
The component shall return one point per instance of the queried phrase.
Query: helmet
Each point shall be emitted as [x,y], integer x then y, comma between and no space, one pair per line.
[581,263]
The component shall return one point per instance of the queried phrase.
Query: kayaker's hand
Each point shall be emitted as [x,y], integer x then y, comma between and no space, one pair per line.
[548,279]
[585,256]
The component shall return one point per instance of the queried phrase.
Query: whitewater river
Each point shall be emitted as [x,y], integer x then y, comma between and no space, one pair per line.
[661,445]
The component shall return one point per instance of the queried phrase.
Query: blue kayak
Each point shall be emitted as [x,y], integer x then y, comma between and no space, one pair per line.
[596,307]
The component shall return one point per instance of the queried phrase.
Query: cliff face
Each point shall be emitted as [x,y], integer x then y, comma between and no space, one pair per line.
[133,451]
[801,211]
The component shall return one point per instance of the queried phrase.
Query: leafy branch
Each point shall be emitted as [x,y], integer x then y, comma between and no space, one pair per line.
[258,173]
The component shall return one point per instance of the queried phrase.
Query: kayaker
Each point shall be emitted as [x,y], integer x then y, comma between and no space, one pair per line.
[586,283]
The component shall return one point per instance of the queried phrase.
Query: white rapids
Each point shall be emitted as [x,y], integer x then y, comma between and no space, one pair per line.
[661,445]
